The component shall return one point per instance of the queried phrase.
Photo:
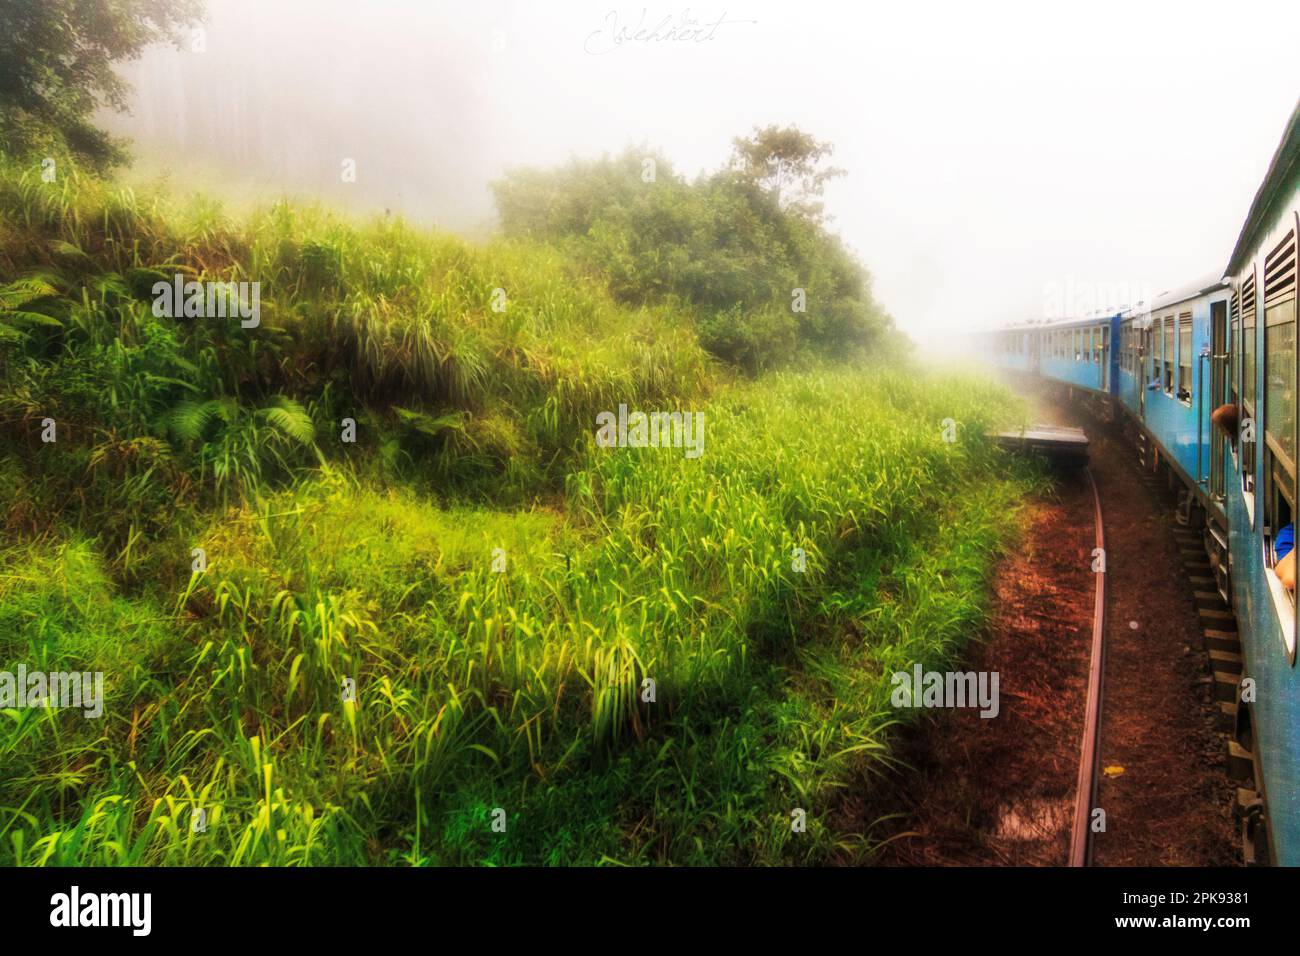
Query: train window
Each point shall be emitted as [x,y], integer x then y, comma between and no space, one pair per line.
[1157,338]
[1279,351]
[1279,408]
[1185,356]
[1279,507]
[1248,348]
[1157,345]
[1234,346]
[1167,323]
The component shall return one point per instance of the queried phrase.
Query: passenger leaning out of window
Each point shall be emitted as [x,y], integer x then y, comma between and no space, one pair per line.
[1225,416]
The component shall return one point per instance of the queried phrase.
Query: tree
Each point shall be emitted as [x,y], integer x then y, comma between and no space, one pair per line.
[783,162]
[57,62]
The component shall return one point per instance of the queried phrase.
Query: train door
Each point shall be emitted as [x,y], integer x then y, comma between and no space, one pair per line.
[1218,391]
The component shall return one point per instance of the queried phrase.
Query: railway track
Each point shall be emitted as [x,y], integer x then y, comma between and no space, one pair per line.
[1086,791]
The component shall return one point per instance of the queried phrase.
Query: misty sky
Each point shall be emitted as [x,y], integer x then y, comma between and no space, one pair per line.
[1000,155]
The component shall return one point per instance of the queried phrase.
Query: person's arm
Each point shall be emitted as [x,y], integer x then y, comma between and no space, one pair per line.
[1285,570]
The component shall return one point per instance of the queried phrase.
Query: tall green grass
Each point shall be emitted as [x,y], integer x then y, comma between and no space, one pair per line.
[479,689]
[520,689]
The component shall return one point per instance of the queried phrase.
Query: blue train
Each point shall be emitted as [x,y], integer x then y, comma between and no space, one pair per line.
[1225,343]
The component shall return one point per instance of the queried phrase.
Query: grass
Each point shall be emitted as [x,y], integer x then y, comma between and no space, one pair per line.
[506,596]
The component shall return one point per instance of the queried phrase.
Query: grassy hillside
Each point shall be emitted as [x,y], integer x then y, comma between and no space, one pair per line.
[379,561]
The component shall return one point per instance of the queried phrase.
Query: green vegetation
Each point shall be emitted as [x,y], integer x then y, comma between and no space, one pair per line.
[56,68]
[733,246]
[499,589]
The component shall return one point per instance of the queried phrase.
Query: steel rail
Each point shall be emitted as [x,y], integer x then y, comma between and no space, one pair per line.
[1086,791]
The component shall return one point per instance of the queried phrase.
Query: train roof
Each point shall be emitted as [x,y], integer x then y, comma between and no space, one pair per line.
[1050,325]
[1279,174]
[1208,283]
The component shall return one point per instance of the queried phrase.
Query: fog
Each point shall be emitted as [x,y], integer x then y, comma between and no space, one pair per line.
[1000,156]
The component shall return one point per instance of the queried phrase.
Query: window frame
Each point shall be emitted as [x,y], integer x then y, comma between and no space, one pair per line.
[1169,347]
[1185,378]
[1249,400]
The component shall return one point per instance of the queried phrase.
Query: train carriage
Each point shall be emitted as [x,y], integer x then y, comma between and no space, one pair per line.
[1162,369]
[1255,477]
[1166,367]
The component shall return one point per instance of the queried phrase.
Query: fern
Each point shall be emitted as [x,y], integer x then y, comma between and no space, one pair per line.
[290,418]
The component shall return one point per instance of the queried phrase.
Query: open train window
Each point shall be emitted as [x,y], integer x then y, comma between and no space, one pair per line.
[1157,341]
[1279,512]
[1167,324]
[1185,357]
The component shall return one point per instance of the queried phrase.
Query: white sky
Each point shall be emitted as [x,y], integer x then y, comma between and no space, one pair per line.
[1000,155]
